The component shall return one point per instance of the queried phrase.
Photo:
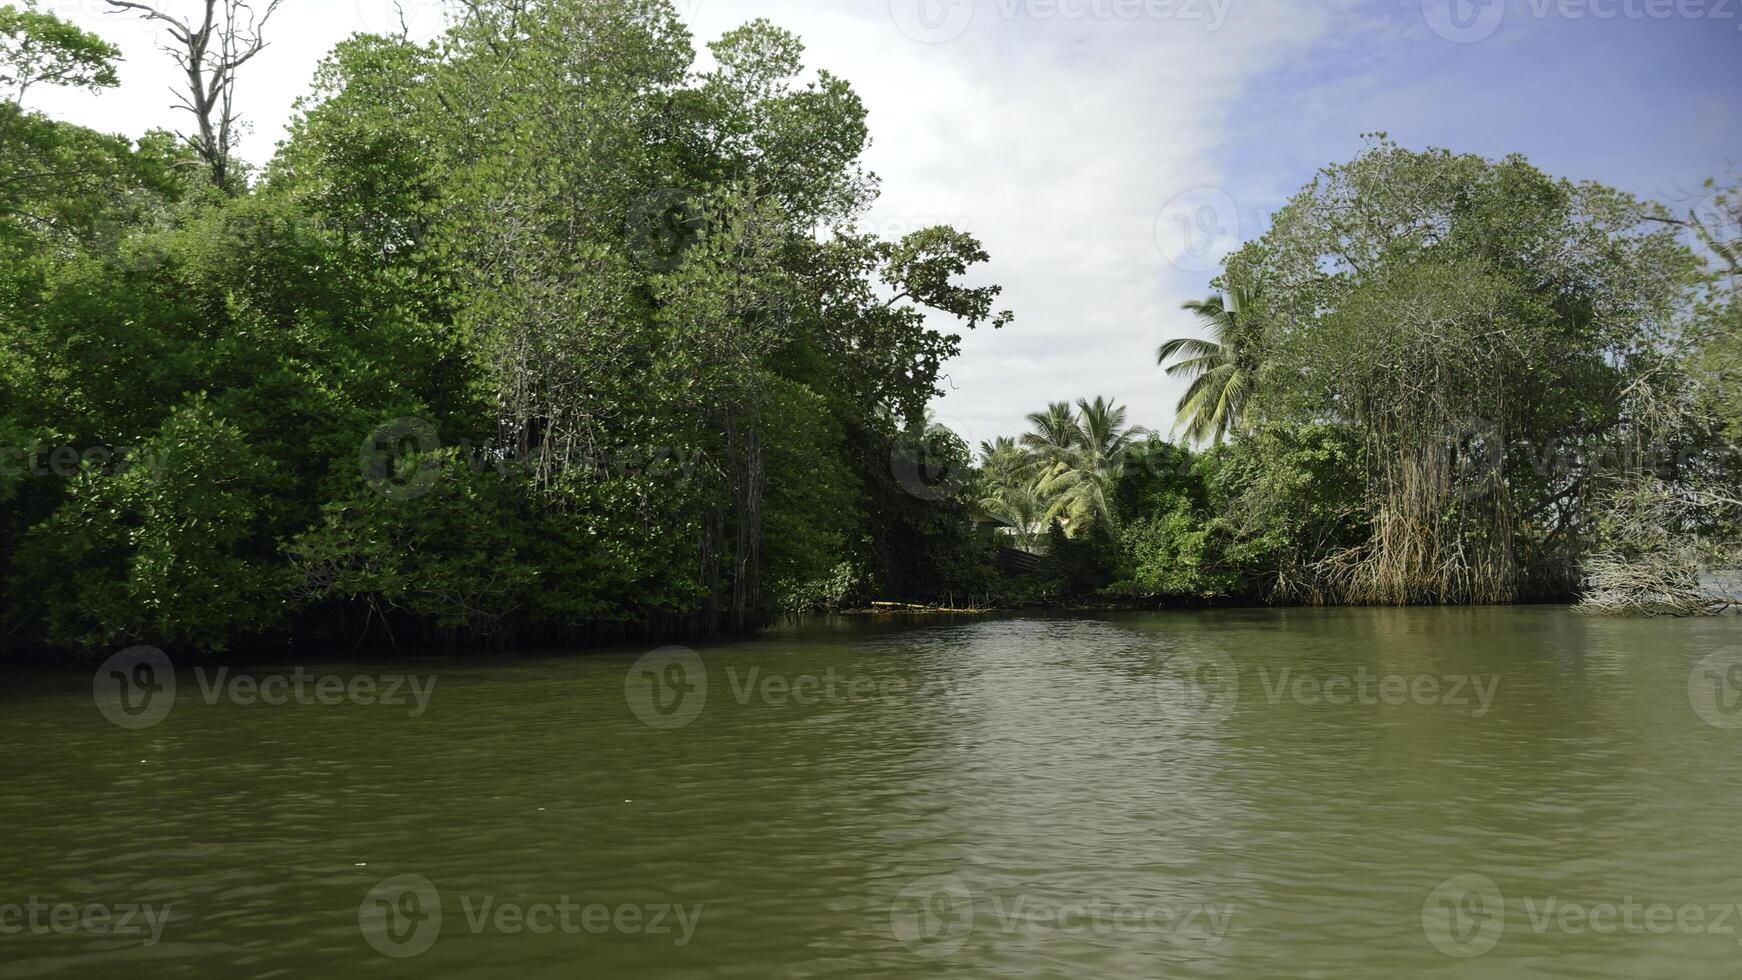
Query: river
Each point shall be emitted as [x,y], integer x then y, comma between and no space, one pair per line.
[1307,793]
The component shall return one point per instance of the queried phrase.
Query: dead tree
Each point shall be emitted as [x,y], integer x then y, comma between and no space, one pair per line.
[1654,560]
[210,52]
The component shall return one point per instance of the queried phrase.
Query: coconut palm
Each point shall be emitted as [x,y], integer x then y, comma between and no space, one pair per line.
[1101,428]
[1053,436]
[1003,463]
[1010,491]
[1023,507]
[1221,368]
[1082,489]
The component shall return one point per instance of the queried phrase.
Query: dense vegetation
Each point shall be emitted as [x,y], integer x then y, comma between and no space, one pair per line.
[539,332]
[535,332]
[1446,380]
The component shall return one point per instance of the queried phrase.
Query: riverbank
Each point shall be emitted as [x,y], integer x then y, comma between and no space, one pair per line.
[304,646]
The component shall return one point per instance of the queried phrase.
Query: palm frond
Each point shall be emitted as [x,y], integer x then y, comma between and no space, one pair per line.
[1193,347]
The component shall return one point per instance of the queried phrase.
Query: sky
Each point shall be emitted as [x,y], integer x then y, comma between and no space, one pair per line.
[1109,152]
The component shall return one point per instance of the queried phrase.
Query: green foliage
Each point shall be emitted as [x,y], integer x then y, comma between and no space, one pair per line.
[38,48]
[1168,553]
[1715,332]
[811,508]
[1083,484]
[1221,369]
[1479,324]
[1283,497]
[1067,468]
[1010,492]
[1717,363]
[472,557]
[1082,564]
[1146,531]
[654,378]
[919,492]
[177,548]
[1168,545]
[838,589]
[654,397]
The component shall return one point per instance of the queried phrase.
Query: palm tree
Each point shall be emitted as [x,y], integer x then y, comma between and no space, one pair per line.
[1010,491]
[1023,507]
[1101,428]
[1053,437]
[1221,368]
[1003,463]
[1082,489]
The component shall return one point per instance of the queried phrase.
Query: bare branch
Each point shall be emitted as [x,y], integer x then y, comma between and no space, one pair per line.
[229,35]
